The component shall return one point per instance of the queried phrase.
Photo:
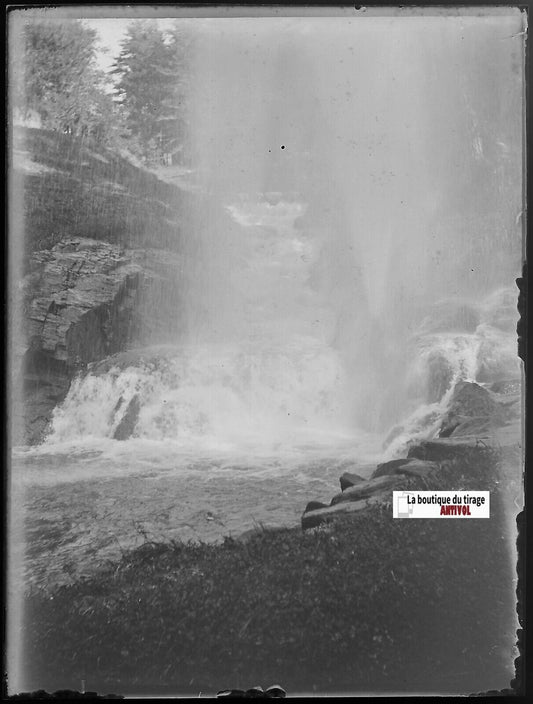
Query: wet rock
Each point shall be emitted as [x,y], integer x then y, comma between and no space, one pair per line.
[126,426]
[39,387]
[380,486]
[314,505]
[471,427]
[312,519]
[349,479]
[440,374]
[388,467]
[441,449]
[410,467]
[469,400]
[81,294]
[77,302]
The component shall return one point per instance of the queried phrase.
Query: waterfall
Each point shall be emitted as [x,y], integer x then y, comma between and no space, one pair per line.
[335,213]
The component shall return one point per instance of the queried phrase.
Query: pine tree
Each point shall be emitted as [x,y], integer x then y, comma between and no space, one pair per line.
[148,69]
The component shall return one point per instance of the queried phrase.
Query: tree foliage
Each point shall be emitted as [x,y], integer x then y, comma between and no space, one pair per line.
[138,107]
[150,73]
[61,82]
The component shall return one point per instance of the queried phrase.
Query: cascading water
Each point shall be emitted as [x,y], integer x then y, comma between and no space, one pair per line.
[349,256]
[267,396]
[213,397]
[460,341]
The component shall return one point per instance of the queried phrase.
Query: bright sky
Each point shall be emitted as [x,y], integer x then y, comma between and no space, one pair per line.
[110,34]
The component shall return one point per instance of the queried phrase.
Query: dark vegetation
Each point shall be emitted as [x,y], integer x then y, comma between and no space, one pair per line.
[365,604]
[80,189]
[56,79]
[151,70]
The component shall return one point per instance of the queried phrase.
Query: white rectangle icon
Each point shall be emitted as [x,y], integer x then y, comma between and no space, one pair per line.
[440,504]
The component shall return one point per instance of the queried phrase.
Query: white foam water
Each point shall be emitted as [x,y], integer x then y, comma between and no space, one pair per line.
[222,397]
[262,409]
[441,358]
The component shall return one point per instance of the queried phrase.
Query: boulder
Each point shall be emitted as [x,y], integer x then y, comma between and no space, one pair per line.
[126,426]
[349,479]
[406,466]
[312,519]
[468,400]
[314,505]
[380,486]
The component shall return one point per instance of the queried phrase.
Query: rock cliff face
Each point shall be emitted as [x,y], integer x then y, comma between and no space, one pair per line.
[80,296]
[101,255]
[82,301]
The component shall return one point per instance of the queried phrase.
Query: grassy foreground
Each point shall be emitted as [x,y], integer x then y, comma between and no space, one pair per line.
[366,604]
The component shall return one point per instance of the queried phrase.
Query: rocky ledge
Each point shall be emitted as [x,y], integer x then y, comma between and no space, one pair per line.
[487,416]
[81,301]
